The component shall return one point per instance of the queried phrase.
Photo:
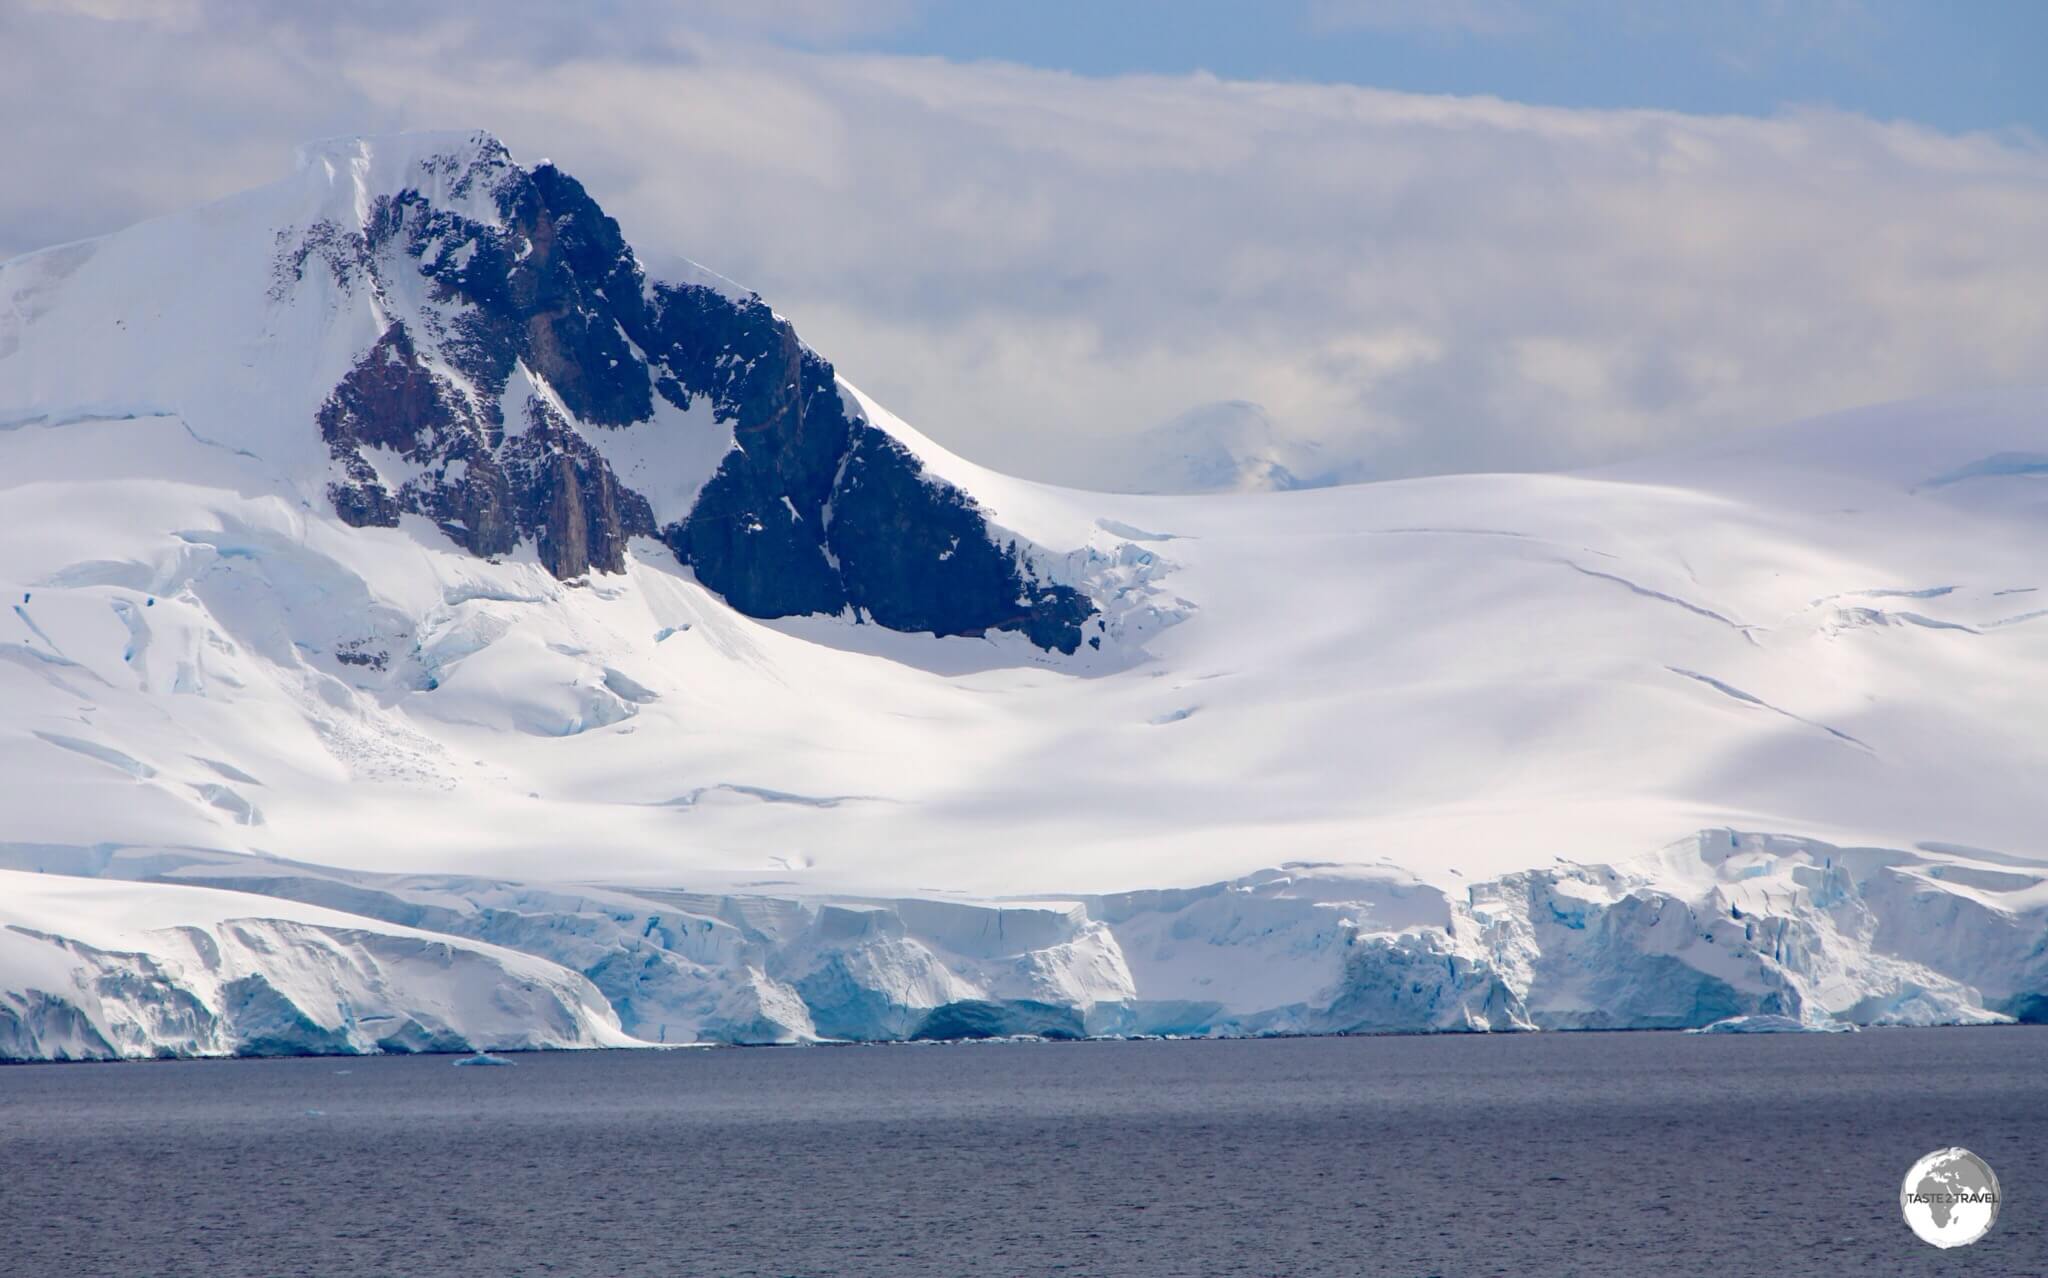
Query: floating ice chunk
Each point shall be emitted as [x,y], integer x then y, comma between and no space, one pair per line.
[482,1058]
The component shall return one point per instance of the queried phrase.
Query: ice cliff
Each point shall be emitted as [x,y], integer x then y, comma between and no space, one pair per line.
[1723,926]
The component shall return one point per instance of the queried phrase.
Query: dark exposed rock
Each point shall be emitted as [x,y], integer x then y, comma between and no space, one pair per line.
[568,499]
[344,253]
[357,652]
[471,503]
[362,500]
[811,511]
[766,558]
[756,534]
[916,555]
[389,400]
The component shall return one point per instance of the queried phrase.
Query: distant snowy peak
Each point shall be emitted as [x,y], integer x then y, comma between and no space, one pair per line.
[459,172]
[475,343]
[1226,446]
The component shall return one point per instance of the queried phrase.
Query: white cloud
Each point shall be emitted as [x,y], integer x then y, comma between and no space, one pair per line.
[1023,262]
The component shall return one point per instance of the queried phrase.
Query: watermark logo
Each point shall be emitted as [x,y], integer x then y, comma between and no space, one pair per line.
[1950,1198]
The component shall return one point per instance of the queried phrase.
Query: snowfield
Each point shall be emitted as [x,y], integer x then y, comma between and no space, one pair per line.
[1749,732]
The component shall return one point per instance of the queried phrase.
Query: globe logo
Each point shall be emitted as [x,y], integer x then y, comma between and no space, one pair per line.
[1950,1198]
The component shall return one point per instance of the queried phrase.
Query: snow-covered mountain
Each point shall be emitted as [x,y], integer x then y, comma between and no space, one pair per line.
[428,631]
[1230,446]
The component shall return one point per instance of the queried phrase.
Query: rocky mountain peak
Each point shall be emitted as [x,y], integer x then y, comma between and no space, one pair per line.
[525,357]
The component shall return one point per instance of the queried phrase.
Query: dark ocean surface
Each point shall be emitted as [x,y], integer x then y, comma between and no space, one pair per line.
[1543,1154]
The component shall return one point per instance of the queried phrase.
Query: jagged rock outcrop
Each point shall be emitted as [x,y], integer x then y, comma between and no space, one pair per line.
[526,339]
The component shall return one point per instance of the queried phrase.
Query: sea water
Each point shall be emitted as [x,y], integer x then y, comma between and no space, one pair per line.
[1540,1154]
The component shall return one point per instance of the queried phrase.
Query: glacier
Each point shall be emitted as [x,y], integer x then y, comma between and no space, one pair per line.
[307,746]
[1726,932]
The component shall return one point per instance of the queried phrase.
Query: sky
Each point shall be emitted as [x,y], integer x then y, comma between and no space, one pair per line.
[1449,236]
[1974,66]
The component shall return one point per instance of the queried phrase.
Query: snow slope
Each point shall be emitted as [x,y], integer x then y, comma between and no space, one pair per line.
[1479,705]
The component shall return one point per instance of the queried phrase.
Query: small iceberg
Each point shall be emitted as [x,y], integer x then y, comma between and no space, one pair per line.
[1768,1024]
[481,1058]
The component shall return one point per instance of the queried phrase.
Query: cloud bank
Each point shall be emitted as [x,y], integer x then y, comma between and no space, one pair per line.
[1031,265]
